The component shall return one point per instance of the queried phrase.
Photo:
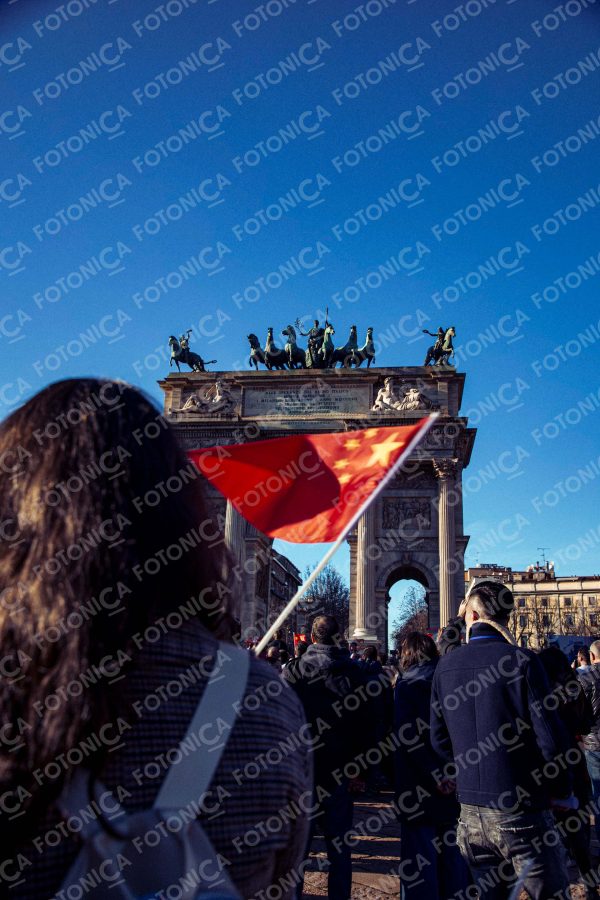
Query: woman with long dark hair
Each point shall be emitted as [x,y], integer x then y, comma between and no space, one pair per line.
[112,595]
[431,866]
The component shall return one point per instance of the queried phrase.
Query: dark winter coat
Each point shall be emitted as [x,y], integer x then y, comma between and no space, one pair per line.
[590,681]
[488,714]
[322,679]
[418,799]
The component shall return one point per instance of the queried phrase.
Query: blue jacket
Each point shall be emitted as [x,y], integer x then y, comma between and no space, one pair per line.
[418,800]
[488,715]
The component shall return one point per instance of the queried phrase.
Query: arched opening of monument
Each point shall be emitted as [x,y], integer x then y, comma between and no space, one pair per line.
[407,604]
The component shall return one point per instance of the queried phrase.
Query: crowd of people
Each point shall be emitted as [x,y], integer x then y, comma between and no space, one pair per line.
[495,751]
[143,754]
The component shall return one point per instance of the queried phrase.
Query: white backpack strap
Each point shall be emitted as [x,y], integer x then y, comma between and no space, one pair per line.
[191,776]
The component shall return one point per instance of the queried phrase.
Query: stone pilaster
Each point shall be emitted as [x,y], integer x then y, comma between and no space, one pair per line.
[365,577]
[445,469]
[255,597]
[235,532]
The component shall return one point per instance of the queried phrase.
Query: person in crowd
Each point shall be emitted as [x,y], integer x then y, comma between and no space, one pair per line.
[135,616]
[369,662]
[382,704]
[582,660]
[284,658]
[492,726]
[292,665]
[389,664]
[575,711]
[451,636]
[274,658]
[590,681]
[427,808]
[323,681]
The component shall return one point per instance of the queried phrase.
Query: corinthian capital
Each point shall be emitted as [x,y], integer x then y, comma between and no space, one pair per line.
[445,468]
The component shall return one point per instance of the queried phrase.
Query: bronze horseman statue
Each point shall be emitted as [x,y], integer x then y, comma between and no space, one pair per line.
[181,353]
[439,353]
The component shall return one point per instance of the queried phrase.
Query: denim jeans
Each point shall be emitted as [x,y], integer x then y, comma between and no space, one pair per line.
[431,864]
[501,846]
[592,758]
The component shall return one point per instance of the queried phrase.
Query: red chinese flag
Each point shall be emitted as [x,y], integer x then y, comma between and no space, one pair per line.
[307,487]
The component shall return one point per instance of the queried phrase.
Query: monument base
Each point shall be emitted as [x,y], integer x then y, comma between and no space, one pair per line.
[366,637]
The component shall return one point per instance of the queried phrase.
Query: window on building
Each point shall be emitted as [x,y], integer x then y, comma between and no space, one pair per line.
[522,621]
[593,619]
[569,620]
[544,602]
[545,621]
[591,601]
[524,640]
[567,601]
[521,602]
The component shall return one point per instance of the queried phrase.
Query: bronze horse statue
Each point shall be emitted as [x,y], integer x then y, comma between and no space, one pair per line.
[275,357]
[256,352]
[296,356]
[345,355]
[366,352]
[440,352]
[323,355]
[180,353]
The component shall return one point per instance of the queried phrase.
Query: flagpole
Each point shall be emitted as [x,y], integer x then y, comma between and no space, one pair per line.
[289,608]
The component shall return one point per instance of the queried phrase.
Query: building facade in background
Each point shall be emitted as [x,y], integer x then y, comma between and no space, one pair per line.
[547,606]
[285,581]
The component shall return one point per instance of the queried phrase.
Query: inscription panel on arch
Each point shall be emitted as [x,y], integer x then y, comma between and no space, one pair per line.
[295,400]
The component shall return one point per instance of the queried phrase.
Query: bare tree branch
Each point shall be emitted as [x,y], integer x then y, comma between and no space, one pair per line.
[413,615]
[328,595]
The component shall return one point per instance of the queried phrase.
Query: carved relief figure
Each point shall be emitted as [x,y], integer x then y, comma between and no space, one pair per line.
[400,512]
[414,399]
[410,398]
[213,399]
[386,399]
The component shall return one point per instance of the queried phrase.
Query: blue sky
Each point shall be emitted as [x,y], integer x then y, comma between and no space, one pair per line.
[287,100]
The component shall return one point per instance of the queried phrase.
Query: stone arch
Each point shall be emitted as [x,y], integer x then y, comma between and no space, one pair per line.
[397,570]
[414,570]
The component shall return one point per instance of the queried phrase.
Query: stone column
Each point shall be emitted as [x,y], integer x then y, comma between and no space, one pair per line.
[255,590]
[235,532]
[365,577]
[445,469]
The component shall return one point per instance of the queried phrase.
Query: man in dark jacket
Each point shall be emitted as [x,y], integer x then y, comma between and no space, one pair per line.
[502,742]
[590,680]
[332,691]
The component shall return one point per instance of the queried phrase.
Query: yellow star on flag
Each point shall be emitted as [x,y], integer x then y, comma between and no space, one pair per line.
[341,464]
[381,453]
[352,444]
[345,478]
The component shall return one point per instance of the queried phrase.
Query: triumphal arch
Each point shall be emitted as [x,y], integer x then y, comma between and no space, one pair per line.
[413,530]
